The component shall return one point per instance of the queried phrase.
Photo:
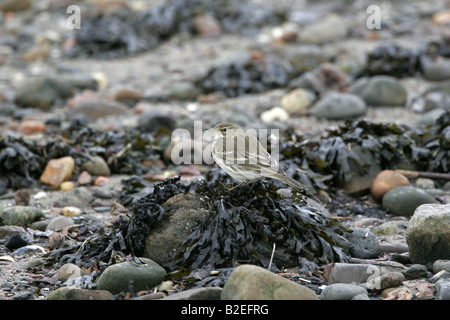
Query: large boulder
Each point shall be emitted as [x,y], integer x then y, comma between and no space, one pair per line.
[428,235]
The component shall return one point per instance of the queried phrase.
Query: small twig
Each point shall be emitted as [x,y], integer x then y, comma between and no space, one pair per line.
[431,175]
[271,256]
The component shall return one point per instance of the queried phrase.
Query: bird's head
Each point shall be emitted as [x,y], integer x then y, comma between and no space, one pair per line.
[222,128]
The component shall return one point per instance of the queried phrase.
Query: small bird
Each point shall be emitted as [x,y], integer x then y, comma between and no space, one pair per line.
[244,158]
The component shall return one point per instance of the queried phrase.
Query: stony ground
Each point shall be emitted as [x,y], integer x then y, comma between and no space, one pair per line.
[162,70]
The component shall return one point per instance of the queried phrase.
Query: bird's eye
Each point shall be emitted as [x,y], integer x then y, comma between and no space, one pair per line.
[224,129]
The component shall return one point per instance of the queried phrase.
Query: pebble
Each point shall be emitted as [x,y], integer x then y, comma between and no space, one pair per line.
[20,215]
[15,241]
[331,28]
[42,92]
[403,200]
[438,70]
[96,166]
[84,178]
[365,243]
[274,114]
[67,293]
[79,197]
[338,106]
[387,280]
[387,228]
[127,96]
[71,211]
[442,290]
[349,272]
[427,234]
[385,181]
[380,91]
[116,278]
[182,91]
[208,293]
[69,270]
[59,223]
[6,231]
[95,109]
[297,101]
[401,293]
[154,120]
[67,186]
[342,291]
[416,271]
[29,127]
[57,171]
[249,282]
[440,265]
[29,249]
[206,25]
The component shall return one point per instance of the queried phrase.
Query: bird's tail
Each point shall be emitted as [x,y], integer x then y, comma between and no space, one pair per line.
[291,182]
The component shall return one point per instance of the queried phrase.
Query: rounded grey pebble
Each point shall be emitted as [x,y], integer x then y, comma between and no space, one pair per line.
[341,291]
[365,243]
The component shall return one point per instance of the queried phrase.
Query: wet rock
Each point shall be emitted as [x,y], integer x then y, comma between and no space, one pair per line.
[42,92]
[22,197]
[25,295]
[15,241]
[155,120]
[29,127]
[440,265]
[442,290]
[304,58]
[6,231]
[167,239]
[403,200]
[365,243]
[387,228]
[388,280]
[96,166]
[95,109]
[342,291]
[330,29]
[79,197]
[436,100]
[416,271]
[182,90]
[127,96]
[427,233]
[68,293]
[297,101]
[324,78]
[69,270]
[337,106]
[349,272]
[248,282]
[20,215]
[435,70]
[206,25]
[380,91]
[84,178]
[59,223]
[209,293]
[58,170]
[70,211]
[385,181]
[424,183]
[142,276]
[401,293]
